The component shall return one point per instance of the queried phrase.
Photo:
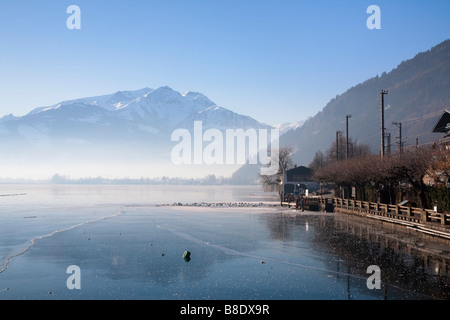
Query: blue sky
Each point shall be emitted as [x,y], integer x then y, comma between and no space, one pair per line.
[276,61]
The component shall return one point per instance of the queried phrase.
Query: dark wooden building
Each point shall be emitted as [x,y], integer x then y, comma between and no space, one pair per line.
[443,126]
[299,174]
[298,180]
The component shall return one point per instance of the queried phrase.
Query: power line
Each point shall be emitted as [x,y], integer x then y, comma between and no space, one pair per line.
[423,73]
[427,116]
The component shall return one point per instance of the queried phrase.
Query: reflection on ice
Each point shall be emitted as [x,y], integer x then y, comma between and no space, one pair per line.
[409,261]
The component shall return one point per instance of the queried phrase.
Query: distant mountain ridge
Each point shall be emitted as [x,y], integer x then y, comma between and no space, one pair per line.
[285,127]
[157,110]
[126,127]
[419,91]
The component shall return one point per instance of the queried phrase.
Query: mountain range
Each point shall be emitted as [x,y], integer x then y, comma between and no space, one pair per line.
[123,131]
[130,131]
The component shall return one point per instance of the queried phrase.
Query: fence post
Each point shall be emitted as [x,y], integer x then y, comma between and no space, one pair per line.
[423,216]
[443,219]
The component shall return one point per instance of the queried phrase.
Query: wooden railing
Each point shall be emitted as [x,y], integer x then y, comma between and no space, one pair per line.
[393,211]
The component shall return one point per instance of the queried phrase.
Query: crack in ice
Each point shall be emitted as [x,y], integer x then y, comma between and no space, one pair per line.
[51,234]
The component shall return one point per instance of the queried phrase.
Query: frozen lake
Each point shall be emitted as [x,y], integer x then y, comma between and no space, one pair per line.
[128,242]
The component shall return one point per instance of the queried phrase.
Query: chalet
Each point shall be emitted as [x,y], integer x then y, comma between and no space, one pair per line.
[443,126]
[298,180]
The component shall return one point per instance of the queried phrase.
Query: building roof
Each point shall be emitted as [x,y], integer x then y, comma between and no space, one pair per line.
[299,174]
[442,123]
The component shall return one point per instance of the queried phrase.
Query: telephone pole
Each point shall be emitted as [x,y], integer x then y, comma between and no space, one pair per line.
[383,92]
[346,134]
[337,144]
[399,125]
[388,137]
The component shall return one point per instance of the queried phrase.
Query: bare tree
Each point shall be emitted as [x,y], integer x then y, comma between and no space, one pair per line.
[413,166]
[285,158]
[272,182]
[318,161]
[386,175]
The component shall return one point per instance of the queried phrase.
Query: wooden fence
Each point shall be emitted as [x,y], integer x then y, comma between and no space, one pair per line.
[406,213]
[417,215]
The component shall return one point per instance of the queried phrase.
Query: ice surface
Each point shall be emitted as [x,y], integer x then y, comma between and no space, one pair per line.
[129,242]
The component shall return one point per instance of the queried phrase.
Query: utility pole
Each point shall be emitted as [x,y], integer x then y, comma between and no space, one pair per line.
[400,147]
[346,134]
[383,92]
[337,144]
[388,137]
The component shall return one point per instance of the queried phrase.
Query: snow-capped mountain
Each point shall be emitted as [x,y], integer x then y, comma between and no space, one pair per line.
[159,110]
[285,127]
[108,102]
[125,127]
